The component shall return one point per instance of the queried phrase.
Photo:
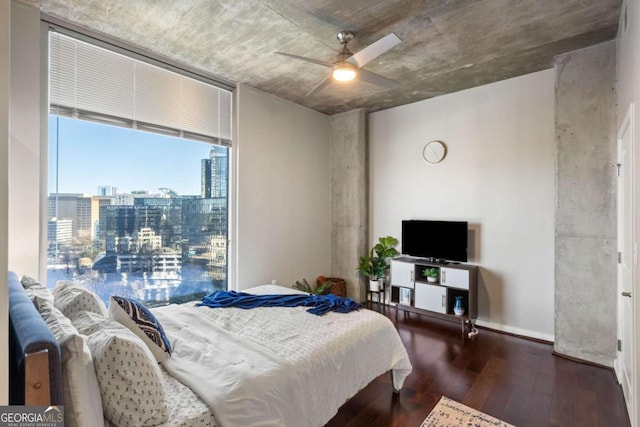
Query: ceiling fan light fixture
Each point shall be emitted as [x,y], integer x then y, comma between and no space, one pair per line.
[344,72]
[348,66]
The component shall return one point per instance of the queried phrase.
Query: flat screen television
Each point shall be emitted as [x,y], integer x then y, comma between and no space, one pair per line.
[437,240]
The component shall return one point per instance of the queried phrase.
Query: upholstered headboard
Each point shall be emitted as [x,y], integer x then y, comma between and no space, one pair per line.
[35,373]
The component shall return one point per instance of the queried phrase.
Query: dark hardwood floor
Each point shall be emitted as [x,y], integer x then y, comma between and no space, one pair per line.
[516,380]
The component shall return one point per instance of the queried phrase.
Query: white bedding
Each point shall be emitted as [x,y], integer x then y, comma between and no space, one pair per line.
[185,408]
[279,366]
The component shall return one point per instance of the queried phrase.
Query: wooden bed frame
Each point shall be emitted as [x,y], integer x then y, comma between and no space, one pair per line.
[35,372]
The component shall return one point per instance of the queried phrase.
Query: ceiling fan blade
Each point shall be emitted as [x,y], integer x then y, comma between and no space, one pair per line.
[377,79]
[375,49]
[319,86]
[302,58]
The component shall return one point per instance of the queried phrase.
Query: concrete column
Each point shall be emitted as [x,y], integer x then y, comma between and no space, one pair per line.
[349,189]
[585,244]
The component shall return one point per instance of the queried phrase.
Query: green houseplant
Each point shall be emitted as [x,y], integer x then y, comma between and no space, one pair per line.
[304,286]
[432,274]
[374,265]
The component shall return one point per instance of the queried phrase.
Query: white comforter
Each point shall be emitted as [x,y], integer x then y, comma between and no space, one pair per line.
[278,366]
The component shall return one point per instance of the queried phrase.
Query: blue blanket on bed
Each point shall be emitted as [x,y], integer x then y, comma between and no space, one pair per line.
[320,304]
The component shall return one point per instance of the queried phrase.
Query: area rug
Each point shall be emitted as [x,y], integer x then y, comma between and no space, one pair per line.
[449,413]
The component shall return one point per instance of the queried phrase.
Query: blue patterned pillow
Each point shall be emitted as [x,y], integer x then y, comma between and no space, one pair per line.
[136,317]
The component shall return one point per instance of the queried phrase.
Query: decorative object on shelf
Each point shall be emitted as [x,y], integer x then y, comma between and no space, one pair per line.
[432,274]
[374,265]
[304,286]
[404,296]
[458,308]
[376,285]
[338,286]
[434,152]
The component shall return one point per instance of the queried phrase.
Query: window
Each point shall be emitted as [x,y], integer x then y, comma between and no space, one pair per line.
[138,176]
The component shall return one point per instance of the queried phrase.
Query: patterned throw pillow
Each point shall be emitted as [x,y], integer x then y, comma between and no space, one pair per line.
[82,401]
[130,379]
[137,318]
[37,292]
[74,299]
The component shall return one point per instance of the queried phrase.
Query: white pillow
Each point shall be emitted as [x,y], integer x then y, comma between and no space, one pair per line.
[74,299]
[36,290]
[82,401]
[129,377]
[138,319]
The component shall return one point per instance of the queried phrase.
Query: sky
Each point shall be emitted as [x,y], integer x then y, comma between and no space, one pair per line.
[92,154]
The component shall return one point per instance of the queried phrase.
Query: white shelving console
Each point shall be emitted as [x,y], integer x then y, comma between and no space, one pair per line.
[410,290]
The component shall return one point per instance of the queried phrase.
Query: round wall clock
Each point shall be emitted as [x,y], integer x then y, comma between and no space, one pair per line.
[434,152]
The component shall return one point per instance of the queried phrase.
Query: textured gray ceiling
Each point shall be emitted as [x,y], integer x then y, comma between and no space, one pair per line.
[447,45]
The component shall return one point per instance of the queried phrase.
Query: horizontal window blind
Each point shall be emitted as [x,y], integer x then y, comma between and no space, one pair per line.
[92,83]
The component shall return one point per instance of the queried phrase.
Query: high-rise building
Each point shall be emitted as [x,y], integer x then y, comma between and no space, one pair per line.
[118,225]
[59,232]
[129,199]
[146,240]
[213,173]
[170,218]
[75,207]
[107,190]
[204,235]
[203,218]
[124,199]
[96,203]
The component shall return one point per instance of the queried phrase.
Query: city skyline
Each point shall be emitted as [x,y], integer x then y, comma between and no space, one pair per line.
[152,161]
[167,241]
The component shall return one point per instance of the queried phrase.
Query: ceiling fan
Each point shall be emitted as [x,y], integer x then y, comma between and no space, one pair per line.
[348,65]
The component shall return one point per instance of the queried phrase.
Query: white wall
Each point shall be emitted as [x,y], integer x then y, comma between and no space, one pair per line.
[24,182]
[499,175]
[283,191]
[628,91]
[5,69]
[20,130]
[628,61]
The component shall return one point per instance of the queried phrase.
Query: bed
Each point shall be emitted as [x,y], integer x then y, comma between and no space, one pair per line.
[268,366]
[34,354]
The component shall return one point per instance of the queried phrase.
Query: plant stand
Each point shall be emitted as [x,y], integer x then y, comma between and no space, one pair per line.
[380,300]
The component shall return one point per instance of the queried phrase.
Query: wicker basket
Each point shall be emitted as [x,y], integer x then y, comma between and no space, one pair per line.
[338,286]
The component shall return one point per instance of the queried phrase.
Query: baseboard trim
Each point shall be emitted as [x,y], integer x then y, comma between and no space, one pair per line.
[585,362]
[516,332]
[512,334]
[555,353]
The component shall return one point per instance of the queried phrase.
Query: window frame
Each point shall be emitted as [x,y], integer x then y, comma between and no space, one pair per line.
[49,23]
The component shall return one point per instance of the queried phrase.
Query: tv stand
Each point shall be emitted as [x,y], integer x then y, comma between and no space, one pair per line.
[411,291]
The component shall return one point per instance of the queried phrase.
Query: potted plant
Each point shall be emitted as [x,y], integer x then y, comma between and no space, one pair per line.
[374,265]
[304,286]
[432,274]
[371,268]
